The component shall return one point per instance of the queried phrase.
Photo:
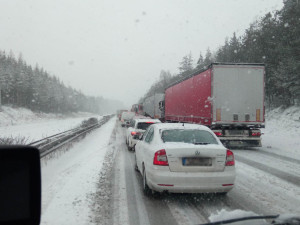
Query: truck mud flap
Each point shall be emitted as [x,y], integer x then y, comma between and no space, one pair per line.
[241,144]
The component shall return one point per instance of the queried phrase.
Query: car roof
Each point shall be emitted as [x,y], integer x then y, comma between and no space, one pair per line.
[147,120]
[180,126]
[127,112]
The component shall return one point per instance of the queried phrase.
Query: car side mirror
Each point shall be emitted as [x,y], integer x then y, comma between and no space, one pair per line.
[20,185]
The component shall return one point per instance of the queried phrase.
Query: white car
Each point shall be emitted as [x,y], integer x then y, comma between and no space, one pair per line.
[184,158]
[136,128]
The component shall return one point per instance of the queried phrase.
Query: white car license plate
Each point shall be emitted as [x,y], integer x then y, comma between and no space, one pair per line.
[197,161]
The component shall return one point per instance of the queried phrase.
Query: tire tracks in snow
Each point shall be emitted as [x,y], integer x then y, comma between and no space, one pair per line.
[130,204]
[186,209]
[273,154]
[275,172]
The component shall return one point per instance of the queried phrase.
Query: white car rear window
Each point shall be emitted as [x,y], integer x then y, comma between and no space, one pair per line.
[188,136]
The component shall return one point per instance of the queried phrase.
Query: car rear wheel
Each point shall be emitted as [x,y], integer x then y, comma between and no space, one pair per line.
[146,189]
[128,147]
[135,165]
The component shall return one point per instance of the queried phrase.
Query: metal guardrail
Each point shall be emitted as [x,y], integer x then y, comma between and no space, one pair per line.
[56,141]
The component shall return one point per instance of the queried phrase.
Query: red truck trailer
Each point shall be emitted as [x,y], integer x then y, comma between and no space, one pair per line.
[228,98]
[137,108]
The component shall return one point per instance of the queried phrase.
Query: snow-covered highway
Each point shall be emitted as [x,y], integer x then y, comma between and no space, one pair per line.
[258,189]
[94,182]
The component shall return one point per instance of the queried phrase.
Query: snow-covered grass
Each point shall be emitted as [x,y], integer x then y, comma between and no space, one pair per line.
[21,123]
[70,181]
[281,134]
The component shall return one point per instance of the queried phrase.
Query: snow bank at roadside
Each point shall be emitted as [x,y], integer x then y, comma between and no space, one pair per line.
[10,116]
[282,130]
[287,120]
[71,181]
[21,123]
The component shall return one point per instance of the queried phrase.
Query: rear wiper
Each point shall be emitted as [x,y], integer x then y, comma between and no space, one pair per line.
[201,143]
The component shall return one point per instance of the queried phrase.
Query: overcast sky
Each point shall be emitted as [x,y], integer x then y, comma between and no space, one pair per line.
[117,48]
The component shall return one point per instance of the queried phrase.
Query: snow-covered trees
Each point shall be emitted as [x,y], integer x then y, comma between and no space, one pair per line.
[186,65]
[37,90]
[274,40]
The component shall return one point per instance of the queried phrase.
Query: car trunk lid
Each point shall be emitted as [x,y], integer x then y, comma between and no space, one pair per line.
[196,158]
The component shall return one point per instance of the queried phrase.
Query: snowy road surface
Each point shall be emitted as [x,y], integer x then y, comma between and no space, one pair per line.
[266,184]
[69,181]
[95,183]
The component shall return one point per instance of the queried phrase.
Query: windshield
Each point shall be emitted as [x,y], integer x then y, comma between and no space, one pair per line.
[188,136]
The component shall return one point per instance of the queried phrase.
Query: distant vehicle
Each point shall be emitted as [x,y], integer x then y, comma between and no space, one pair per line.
[137,108]
[152,106]
[89,122]
[184,158]
[136,128]
[126,117]
[119,113]
[226,97]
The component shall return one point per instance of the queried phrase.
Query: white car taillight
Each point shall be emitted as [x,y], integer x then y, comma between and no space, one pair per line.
[135,133]
[160,158]
[229,158]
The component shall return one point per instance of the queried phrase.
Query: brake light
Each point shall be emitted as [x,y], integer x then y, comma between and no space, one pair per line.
[149,122]
[218,133]
[256,134]
[224,185]
[160,158]
[135,133]
[229,158]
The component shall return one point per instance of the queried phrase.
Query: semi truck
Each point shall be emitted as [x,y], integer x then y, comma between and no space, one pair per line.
[151,106]
[137,108]
[227,97]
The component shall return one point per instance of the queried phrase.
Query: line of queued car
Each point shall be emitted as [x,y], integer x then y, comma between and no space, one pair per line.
[179,157]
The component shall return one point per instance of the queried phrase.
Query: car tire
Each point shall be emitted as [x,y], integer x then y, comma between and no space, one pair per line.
[146,189]
[135,164]
[133,148]
[128,147]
